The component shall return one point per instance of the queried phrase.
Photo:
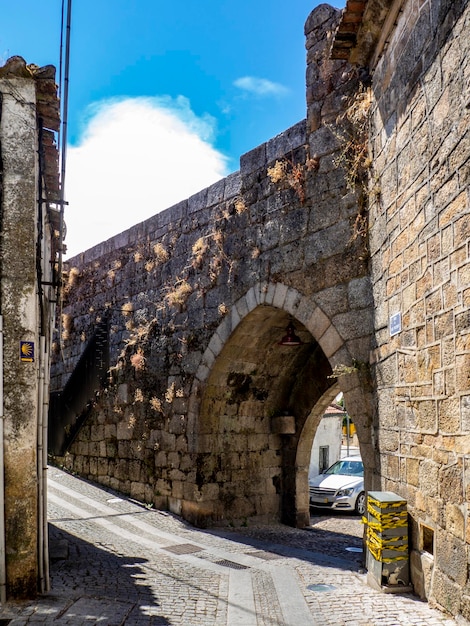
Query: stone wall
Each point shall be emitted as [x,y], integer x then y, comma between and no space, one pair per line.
[205,413]
[419,239]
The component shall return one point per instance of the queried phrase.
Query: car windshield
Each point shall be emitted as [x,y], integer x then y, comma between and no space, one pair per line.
[347,468]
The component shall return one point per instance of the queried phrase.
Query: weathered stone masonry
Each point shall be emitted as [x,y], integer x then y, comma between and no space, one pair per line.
[419,227]
[420,268]
[205,413]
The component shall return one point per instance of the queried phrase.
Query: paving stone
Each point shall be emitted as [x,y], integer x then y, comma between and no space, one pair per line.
[118,569]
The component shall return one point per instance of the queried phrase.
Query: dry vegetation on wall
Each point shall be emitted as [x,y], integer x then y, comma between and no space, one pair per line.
[352,130]
[208,257]
[178,294]
[286,173]
[150,330]
[158,315]
[152,318]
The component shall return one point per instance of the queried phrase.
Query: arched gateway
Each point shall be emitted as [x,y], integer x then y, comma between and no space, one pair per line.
[352,225]
[170,384]
[203,411]
[256,403]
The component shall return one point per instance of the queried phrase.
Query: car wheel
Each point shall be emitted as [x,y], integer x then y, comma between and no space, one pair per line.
[360,506]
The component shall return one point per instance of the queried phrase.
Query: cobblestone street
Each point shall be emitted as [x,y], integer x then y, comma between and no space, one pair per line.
[115,562]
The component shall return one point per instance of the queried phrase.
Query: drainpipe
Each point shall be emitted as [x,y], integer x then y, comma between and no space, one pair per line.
[40,464]
[3,566]
[43,408]
[45,415]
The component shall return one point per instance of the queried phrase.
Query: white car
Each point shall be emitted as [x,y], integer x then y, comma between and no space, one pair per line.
[340,487]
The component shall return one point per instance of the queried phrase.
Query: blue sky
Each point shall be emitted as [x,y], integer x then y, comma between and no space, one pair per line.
[164,97]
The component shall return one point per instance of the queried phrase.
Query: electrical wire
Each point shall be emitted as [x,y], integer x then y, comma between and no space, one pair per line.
[64,69]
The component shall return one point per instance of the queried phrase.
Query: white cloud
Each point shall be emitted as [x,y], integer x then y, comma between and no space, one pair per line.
[137,157]
[260,86]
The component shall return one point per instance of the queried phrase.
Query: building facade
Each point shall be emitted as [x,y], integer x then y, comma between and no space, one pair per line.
[29,256]
[418,57]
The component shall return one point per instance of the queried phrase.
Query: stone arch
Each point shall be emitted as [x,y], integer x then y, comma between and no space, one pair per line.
[302,459]
[252,325]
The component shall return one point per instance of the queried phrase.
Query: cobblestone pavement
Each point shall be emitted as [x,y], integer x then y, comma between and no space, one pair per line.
[115,562]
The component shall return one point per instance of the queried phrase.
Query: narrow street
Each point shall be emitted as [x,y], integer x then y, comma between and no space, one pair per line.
[113,562]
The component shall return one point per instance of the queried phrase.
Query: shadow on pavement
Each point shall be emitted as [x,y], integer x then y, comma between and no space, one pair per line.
[324,547]
[99,584]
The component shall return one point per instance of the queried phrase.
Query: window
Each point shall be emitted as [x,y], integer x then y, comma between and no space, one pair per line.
[427,537]
[323,462]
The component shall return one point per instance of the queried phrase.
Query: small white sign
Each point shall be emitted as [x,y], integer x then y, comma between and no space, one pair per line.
[395,324]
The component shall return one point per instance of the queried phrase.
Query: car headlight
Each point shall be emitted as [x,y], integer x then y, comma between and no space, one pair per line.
[345,492]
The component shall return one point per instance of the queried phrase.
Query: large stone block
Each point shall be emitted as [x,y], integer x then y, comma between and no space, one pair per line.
[124,431]
[283,425]
[449,415]
[412,472]
[427,419]
[451,483]
[429,478]
[137,491]
[388,440]
[450,557]
[455,521]
[97,432]
[421,568]
[102,467]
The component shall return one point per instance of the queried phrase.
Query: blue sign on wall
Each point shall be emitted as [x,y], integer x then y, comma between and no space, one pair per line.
[395,324]
[27,351]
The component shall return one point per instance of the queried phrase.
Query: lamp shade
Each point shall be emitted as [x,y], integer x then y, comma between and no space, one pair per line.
[290,338]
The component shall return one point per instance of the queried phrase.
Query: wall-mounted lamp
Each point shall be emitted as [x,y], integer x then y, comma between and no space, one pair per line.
[290,338]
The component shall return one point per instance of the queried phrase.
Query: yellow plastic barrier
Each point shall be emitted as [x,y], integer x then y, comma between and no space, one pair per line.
[381,527]
[385,542]
[377,554]
[398,504]
[396,521]
[386,538]
[388,520]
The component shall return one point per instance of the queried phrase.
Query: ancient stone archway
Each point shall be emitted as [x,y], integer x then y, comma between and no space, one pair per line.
[304,447]
[185,293]
[256,404]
